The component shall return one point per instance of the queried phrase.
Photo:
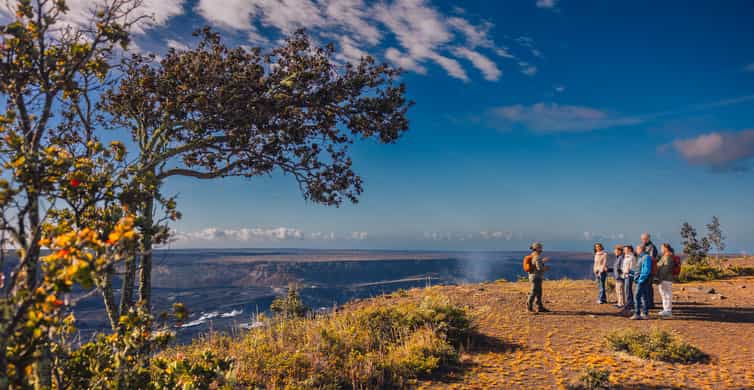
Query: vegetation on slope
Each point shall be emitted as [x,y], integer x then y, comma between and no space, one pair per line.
[379,343]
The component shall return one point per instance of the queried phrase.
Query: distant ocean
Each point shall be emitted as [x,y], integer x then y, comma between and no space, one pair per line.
[224,289]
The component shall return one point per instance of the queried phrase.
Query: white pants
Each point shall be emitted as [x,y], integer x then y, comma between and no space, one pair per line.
[666,292]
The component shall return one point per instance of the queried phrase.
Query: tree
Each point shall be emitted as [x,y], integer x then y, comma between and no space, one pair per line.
[213,111]
[51,160]
[716,237]
[695,250]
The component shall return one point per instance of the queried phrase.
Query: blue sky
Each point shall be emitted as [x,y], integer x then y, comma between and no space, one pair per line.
[558,121]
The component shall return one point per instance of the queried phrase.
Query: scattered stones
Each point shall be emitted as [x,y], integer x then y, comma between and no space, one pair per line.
[711,291]
[743,286]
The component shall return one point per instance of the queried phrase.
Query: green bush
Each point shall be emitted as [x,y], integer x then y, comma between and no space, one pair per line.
[656,345]
[385,342]
[595,378]
[699,272]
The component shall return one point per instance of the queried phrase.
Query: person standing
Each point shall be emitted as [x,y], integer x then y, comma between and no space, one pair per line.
[643,284]
[536,277]
[630,270]
[620,292]
[600,271]
[665,275]
[651,250]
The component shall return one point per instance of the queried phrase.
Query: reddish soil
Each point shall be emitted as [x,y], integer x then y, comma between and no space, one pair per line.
[551,350]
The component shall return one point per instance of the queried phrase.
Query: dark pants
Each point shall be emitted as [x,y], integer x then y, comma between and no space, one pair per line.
[628,286]
[651,296]
[601,278]
[642,297]
[536,292]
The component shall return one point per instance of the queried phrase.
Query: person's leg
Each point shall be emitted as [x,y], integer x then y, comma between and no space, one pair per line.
[637,300]
[650,295]
[647,286]
[628,286]
[540,306]
[666,292]
[619,292]
[601,282]
[532,292]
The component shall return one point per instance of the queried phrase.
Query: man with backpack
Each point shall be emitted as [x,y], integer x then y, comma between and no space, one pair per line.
[534,265]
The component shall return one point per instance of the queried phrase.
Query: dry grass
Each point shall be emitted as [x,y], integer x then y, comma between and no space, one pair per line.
[375,344]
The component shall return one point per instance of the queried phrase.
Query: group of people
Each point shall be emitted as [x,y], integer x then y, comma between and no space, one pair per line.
[635,271]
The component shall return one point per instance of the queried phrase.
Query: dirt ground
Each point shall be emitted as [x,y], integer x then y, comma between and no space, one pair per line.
[551,350]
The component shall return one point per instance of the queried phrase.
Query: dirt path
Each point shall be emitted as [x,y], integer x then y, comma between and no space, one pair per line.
[551,350]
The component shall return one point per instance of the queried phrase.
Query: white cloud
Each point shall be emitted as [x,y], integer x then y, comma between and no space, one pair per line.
[496,235]
[718,150]
[591,236]
[547,3]
[153,13]
[552,117]
[233,14]
[488,68]
[244,234]
[414,31]
[179,46]
[396,57]
[527,68]
[323,236]
[359,236]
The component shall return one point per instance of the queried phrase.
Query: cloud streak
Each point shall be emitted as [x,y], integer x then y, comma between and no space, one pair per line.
[552,117]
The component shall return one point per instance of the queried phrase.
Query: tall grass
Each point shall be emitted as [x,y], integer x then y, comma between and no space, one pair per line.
[380,343]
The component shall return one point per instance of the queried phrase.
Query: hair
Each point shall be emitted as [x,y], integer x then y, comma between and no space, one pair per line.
[618,248]
[630,247]
[668,248]
[595,246]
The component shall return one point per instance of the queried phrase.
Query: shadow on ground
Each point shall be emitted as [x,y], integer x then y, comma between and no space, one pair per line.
[704,312]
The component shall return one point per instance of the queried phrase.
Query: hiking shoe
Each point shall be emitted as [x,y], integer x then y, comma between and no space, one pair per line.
[666,314]
[601,303]
[644,317]
[530,310]
[618,306]
[635,317]
[543,310]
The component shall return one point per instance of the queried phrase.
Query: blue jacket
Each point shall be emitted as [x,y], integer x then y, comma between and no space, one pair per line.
[646,268]
[617,266]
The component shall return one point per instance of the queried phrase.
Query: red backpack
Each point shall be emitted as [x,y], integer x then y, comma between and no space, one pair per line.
[676,265]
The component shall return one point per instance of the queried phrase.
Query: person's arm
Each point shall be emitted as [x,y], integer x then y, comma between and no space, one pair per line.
[646,269]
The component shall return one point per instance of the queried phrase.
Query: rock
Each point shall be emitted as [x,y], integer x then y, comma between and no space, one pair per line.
[683,288]
[721,296]
[743,286]
[711,291]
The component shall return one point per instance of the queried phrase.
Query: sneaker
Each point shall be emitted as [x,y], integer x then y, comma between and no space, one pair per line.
[635,317]
[666,314]
[543,310]
[529,310]
[618,306]
[644,317]
[601,303]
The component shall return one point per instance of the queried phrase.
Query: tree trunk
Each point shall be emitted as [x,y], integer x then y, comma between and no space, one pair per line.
[145,273]
[127,285]
[113,314]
